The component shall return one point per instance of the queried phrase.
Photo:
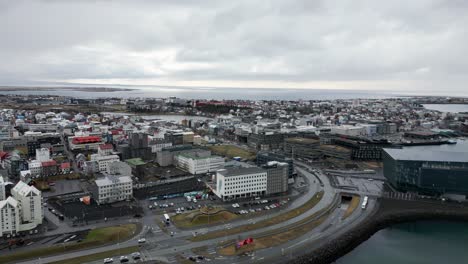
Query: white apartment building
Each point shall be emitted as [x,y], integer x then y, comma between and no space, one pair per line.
[2,188]
[42,154]
[22,211]
[240,182]
[104,161]
[112,188]
[9,216]
[159,146]
[198,163]
[35,167]
[105,149]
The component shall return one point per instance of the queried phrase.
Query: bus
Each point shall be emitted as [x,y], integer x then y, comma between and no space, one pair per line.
[166,216]
[364,203]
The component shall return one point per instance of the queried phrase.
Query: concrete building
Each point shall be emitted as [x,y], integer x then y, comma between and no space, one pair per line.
[349,130]
[85,142]
[277,177]
[112,188]
[42,154]
[234,183]
[105,149]
[22,211]
[199,162]
[2,189]
[103,161]
[165,157]
[306,148]
[264,157]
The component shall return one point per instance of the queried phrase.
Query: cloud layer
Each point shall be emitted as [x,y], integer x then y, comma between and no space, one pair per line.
[388,45]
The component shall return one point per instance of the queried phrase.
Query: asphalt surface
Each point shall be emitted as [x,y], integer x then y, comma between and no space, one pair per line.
[162,246]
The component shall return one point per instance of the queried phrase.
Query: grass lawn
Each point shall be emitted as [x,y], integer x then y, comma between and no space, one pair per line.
[276,239]
[352,206]
[283,235]
[98,256]
[197,218]
[231,151]
[261,224]
[95,237]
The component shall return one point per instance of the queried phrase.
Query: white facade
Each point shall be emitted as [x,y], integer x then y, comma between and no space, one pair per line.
[349,130]
[240,182]
[35,167]
[105,149]
[2,188]
[113,189]
[159,146]
[104,161]
[30,200]
[42,154]
[9,216]
[22,211]
[199,165]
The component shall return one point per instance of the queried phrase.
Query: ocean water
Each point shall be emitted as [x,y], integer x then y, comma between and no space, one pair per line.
[452,108]
[425,242]
[217,93]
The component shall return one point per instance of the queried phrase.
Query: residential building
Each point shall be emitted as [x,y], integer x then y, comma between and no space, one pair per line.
[42,154]
[105,149]
[22,211]
[112,188]
[199,162]
[103,161]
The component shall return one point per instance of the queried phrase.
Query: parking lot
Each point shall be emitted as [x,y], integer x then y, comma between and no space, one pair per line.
[369,186]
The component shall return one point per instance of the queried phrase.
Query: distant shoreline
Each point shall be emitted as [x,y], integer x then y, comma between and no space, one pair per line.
[46,88]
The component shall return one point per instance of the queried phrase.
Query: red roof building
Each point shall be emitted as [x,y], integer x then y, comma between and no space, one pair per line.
[65,165]
[105,146]
[86,140]
[49,163]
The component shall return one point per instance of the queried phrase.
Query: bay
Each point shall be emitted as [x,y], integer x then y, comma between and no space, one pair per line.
[423,242]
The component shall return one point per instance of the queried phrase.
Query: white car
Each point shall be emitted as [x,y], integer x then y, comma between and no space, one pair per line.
[108,260]
[141,240]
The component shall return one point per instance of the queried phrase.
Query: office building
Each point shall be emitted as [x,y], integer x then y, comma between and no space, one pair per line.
[198,162]
[112,188]
[430,170]
[239,182]
[277,177]
[264,157]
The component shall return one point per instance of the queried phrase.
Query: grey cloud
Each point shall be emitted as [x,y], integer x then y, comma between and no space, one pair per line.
[294,41]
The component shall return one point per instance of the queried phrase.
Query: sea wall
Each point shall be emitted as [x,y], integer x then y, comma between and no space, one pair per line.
[390,212]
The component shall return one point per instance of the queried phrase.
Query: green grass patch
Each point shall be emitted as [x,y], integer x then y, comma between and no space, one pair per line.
[95,238]
[264,223]
[231,151]
[98,256]
[199,217]
[352,206]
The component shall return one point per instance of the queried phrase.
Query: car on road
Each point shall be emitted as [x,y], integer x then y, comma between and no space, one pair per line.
[108,260]
[136,255]
[141,240]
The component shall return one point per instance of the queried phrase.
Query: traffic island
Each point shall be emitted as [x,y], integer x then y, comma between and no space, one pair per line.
[264,223]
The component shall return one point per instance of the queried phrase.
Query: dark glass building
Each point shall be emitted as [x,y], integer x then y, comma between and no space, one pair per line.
[427,170]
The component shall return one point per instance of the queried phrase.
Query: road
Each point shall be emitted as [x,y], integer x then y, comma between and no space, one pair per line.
[163,247]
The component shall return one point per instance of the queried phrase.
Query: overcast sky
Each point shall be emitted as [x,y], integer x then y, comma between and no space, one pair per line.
[388,45]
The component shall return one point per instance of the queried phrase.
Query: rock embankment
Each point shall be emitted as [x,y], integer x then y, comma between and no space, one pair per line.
[390,212]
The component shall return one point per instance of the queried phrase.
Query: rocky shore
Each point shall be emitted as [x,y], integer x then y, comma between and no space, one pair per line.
[390,212]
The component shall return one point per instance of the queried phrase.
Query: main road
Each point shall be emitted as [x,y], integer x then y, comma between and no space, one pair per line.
[163,247]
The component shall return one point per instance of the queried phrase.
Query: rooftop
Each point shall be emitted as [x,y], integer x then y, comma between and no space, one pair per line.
[135,161]
[417,154]
[237,171]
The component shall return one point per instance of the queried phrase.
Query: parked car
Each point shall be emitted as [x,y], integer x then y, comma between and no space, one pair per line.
[123,259]
[108,260]
[136,255]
